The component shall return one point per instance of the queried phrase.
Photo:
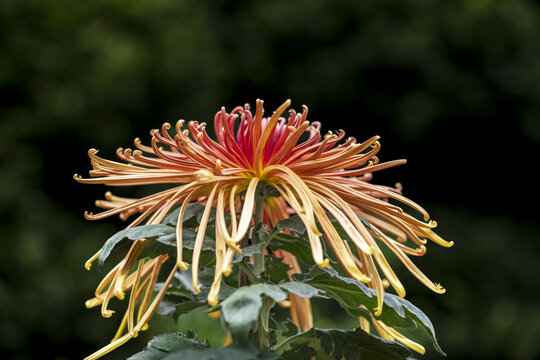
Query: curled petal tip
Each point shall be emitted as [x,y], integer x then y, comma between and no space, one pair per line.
[182,265]
[377,311]
[88,215]
[285,304]
[439,289]
[197,287]
[92,151]
[227,271]
[213,301]
[325,263]
[364,279]
[107,313]
[144,327]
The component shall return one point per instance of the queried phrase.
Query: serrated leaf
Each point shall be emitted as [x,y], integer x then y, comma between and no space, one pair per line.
[300,352]
[347,345]
[171,305]
[276,270]
[248,251]
[300,289]
[242,308]
[295,245]
[188,240]
[149,232]
[156,233]
[180,298]
[294,223]
[350,294]
[162,345]
[191,216]
[290,328]
[240,351]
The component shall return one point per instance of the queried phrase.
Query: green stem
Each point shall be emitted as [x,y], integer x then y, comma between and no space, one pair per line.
[262,323]
[246,269]
[258,269]
[258,259]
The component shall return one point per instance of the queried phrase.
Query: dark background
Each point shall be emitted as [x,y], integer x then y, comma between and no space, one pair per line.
[453,86]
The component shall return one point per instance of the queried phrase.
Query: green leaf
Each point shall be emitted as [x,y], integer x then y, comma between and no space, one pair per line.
[242,308]
[159,232]
[295,245]
[248,251]
[300,352]
[341,344]
[240,351]
[160,346]
[191,216]
[294,223]
[350,294]
[276,270]
[181,298]
[171,305]
[290,328]
[188,241]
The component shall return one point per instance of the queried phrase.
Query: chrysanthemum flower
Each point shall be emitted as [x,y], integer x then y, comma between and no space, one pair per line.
[316,175]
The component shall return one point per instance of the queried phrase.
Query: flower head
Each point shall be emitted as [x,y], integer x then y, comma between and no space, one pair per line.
[315,175]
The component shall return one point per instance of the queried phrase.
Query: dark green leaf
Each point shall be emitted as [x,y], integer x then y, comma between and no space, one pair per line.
[290,328]
[276,270]
[300,352]
[191,216]
[240,351]
[347,345]
[248,251]
[162,345]
[172,305]
[181,297]
[149,232]
[397,312]
[295,245]
[294,223]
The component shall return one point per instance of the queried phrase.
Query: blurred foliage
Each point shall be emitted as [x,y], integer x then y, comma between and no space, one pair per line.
[453,86]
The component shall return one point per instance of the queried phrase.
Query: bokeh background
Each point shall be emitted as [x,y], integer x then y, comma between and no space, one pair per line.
[453,86]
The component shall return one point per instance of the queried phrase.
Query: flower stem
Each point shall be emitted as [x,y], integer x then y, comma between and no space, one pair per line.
[262,333]
[258,259]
